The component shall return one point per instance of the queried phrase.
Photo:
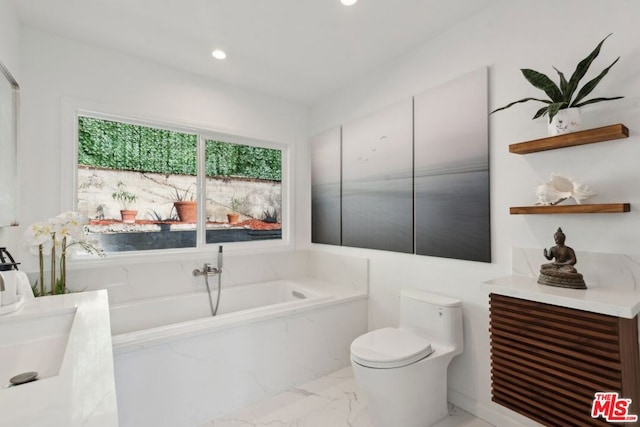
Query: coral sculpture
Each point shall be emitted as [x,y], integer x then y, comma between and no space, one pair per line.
[559,188]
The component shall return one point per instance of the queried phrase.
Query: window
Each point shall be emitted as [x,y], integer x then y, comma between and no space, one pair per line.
[147,188]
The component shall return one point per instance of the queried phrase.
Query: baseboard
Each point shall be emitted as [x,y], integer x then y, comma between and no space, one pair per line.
[488,414]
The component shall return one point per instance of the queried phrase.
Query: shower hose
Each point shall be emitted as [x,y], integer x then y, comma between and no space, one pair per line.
[214,310]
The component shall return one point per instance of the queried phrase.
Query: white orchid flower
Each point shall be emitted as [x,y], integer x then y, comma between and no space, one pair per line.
[63,232]
[70,225]
[37,234]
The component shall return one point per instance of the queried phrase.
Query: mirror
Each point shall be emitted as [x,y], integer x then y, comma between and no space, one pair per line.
[8,148]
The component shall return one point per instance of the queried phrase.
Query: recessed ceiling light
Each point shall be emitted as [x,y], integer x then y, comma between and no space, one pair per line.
[348,2]
[219,54]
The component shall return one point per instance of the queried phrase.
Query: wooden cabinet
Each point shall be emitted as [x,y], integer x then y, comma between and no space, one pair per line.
[547,362]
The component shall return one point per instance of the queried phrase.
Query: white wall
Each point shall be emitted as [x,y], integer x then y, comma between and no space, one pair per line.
[507,37]
[58,72]
[10,39]
[10,57]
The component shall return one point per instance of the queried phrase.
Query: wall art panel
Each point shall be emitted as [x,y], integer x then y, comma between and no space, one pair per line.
[377,189]
[326,188]
[452,170]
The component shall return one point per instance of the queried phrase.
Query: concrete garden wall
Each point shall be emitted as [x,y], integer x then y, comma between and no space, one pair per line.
[156,193]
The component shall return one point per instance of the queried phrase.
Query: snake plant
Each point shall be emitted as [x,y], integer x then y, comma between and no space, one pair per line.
[562,96]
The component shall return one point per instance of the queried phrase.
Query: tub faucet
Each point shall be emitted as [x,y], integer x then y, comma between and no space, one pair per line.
[207,270]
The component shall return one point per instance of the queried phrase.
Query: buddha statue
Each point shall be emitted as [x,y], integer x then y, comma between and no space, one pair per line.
[561,272]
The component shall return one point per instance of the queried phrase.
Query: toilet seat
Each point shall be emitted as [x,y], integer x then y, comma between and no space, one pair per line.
[389,348]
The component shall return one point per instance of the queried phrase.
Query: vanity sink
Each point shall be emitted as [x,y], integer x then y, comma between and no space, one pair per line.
[34,342]
[67,340]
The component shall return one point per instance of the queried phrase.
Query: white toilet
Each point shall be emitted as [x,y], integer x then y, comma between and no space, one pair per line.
[403,371]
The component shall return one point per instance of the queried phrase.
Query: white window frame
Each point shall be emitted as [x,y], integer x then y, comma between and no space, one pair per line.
[72,109]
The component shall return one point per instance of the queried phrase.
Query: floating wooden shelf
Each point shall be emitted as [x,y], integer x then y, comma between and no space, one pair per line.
[572,209]
[589,136]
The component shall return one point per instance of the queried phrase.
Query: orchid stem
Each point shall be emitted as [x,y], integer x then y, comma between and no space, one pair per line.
[53,265]
[63,265]
[41,264]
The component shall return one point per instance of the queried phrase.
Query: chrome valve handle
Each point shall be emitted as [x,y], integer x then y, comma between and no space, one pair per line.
[207,270]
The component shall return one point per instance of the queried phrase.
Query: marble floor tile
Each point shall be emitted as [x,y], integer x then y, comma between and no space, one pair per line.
[330,401]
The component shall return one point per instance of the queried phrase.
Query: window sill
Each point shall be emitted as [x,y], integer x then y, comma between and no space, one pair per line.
[81,261]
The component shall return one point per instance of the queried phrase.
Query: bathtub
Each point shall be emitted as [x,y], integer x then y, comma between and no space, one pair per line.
[244,302]
[176,365]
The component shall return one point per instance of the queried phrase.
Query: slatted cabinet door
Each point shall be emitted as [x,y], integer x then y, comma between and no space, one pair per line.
[547,362]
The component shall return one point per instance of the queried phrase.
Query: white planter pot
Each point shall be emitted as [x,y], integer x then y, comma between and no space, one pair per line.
[566,121]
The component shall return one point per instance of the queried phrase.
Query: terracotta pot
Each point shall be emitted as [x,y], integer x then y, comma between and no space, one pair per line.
[128,216]
[187,210]
[233,218]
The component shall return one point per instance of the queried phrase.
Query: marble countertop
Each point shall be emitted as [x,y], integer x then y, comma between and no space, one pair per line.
[613,302]
[83,392]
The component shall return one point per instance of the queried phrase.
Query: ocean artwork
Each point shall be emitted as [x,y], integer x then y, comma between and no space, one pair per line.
[452,170]
[326,188]
[411,178]
[377,180]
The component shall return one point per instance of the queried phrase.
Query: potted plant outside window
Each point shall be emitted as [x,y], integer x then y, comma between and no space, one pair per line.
[125,198]
[565,98]
[233,216]
[185,205]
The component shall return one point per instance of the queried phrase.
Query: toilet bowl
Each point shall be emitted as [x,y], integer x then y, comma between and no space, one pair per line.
[403,371]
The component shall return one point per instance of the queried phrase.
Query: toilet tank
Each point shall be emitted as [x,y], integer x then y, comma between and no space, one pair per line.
[436,318]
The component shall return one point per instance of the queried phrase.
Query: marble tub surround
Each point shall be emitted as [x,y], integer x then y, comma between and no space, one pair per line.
[200,375]
[346,271]
[130,281]
[83,391]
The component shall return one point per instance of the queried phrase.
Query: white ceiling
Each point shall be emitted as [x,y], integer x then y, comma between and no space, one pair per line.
[300,50]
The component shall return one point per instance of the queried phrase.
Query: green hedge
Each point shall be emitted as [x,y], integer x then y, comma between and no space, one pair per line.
[115,145]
